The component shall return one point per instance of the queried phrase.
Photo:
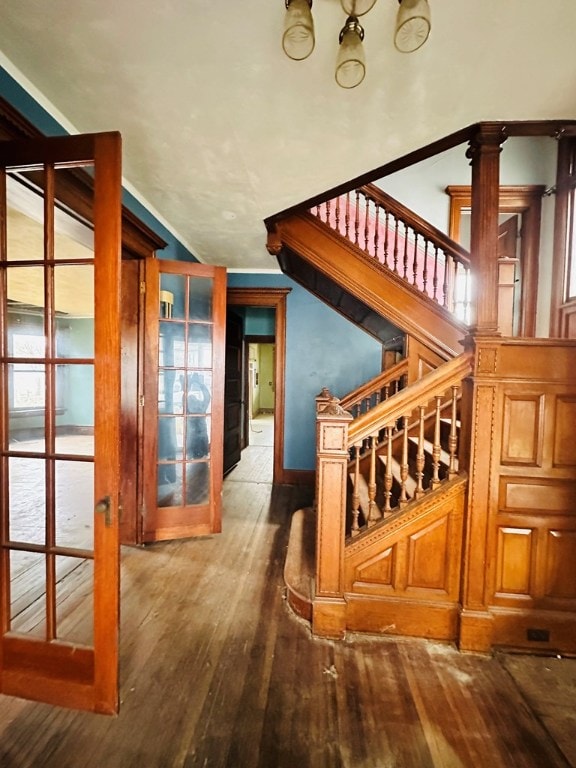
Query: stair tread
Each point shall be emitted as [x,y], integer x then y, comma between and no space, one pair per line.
[410,482]
[429,448]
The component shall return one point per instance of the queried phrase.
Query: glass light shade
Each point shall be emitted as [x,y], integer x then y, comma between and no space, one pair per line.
[350,62]
[412,25]
[357,7]
[298,38]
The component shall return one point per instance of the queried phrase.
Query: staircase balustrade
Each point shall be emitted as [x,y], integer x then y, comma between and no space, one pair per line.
[402,242]
[404,446]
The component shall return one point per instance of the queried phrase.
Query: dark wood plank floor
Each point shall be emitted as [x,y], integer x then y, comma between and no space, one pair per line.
[217,672]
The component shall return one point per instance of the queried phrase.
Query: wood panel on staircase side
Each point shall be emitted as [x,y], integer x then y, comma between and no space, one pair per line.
[403,577]
[525,403]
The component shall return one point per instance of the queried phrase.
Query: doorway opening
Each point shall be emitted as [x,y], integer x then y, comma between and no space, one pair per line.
[261,400]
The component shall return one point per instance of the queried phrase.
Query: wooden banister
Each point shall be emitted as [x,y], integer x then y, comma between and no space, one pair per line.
[422,391]
[379,383]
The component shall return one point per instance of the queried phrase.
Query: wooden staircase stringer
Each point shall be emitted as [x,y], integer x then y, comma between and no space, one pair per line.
[381,289]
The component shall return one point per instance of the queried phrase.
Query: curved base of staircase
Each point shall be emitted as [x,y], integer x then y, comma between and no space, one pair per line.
[299,568]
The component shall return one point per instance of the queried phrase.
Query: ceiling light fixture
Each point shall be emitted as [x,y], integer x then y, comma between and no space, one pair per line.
[411,32]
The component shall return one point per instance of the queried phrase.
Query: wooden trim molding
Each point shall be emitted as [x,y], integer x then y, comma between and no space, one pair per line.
[276,299]
[525,200]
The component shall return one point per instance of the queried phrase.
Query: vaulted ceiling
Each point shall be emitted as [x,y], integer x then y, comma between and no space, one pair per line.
[221,130]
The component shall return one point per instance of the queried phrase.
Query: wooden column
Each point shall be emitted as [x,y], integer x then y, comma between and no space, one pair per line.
[479,441]
[329,609]
[484,153]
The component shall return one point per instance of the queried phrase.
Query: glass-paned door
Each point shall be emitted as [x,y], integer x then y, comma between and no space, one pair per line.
[184,384]
[59,438]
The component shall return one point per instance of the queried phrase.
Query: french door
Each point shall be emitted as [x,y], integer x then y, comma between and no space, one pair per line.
[183,399]
[59,423]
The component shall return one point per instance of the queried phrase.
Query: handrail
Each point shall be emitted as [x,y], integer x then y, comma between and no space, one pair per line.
[375,385]
[389,411]
[419,224]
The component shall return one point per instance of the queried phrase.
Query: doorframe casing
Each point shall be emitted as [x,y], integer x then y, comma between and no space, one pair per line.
[276,299]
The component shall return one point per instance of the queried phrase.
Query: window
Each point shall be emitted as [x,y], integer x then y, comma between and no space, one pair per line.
[28,379]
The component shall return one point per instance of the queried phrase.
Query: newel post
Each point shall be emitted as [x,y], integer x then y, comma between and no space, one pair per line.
[329,611]
[484,154]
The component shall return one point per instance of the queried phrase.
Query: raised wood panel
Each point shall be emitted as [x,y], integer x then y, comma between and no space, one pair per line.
[560,568]
[530,495]
[515,552]
[378,570]
[564,452]
[428,557]
[522,432]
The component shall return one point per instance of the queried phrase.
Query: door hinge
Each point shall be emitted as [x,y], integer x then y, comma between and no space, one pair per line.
[142,286]
[141,401]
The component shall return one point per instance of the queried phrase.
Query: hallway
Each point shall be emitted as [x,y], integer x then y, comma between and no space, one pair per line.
[216,672]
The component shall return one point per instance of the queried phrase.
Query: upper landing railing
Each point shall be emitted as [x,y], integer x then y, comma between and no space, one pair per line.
[402,242]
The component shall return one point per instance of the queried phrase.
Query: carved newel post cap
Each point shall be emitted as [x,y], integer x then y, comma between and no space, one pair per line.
[335,409]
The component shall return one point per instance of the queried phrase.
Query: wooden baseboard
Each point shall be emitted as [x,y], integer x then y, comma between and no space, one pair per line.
[297,477]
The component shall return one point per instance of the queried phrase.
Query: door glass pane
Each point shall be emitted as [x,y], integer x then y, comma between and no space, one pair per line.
[75,600]
[197,437]
[173,296]
[28,593]
[197,483]
[27,491]
[24,227]
[74,505]
[200,291]
[74,299]
[74,390]
[172,344]
[199,345]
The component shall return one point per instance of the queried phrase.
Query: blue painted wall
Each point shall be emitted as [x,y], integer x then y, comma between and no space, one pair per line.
[13,92]
[323,349]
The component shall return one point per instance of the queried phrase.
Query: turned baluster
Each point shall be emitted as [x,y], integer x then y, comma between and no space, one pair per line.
[376,231]
[436,448]
[425,270]
[466,299]
[355,492]
[388,473]
[453,439]
[396,245]
[403,500]
[386,223]
[337,215]
[373,512]
[328,213]
[420,455]
[435,276]
[405,257]
[415,260]
[357,218]
[347,216]
[445,299]
[367,224]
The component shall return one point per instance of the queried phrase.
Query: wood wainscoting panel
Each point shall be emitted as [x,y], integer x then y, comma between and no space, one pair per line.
[564,426]
[534,494]
[522,433]
[379,569]
[428,557]
[515,555]
[560,570]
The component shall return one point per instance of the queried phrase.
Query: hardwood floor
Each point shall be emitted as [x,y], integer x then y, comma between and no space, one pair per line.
[217,672]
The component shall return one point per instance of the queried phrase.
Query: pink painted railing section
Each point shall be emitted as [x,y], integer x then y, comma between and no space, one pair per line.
[403,243]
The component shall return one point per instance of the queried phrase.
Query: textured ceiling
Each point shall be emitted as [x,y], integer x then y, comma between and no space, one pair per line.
[221,130]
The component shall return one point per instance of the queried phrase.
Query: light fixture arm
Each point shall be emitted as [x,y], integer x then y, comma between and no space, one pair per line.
[352,25]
